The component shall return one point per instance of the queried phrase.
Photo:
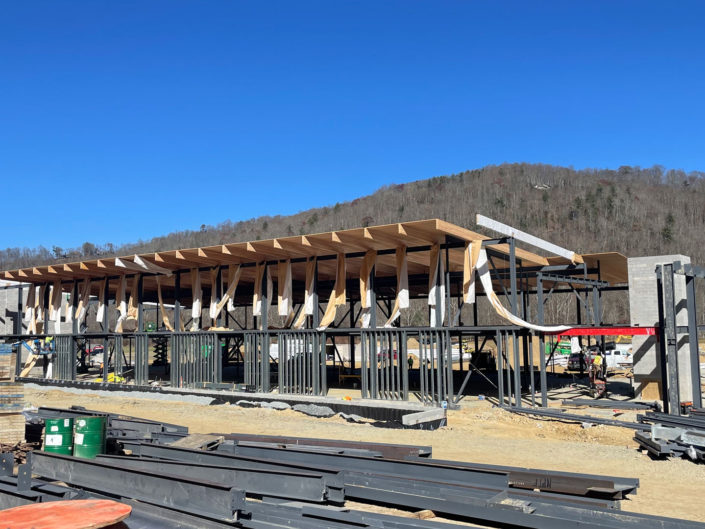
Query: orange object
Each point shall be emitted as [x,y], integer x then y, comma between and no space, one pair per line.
[347,397]
[70,514]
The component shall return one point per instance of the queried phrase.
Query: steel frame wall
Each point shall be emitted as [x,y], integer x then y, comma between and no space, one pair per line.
[195,359]
[384,370]
[669,331]
[302,361]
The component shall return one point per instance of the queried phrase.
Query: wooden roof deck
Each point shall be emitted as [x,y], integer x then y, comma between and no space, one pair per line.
[420,233]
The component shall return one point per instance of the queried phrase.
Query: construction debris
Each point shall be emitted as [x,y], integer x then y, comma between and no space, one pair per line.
[200,441]
[19,450]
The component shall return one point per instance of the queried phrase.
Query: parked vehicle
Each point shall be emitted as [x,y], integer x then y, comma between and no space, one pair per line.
[615,358]
[574,362]
[383,356]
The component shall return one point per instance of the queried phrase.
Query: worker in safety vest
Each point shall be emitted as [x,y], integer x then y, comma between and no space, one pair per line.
[597,361]
[48,351]
[598,387]
[596,367]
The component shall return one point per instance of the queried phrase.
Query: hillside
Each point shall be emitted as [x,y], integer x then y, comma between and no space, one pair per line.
[631,210]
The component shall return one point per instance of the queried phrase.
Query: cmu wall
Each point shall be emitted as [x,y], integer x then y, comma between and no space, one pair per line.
[643,308]
[8,307]
[8,312]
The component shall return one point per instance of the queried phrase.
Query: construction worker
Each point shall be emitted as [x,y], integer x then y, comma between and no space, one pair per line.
[597,378]
[597,362]
[47,351]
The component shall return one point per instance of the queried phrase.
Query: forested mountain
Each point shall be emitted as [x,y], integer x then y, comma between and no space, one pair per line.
[630,210]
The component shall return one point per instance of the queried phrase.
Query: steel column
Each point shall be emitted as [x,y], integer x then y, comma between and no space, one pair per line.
[177,303]
[500,369]
[140,303]
[671,340]
[515,311]
[542,343]
[693,341]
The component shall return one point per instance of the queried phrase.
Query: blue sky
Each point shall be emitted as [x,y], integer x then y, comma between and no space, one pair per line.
[126,120]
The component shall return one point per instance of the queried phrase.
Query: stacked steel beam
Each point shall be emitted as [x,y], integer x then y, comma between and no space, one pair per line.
[251,481]
[674,435]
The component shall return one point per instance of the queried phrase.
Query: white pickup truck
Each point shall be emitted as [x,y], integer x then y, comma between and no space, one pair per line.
[617,356]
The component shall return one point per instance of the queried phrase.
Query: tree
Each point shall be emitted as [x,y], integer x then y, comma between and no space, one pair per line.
[667,230]
[88,249]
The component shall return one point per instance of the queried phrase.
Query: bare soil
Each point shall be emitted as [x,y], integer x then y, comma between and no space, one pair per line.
[477,432]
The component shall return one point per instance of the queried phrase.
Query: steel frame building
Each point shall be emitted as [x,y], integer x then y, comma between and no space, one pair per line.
[239,343]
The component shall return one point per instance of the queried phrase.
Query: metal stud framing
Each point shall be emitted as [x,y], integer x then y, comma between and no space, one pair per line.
[435,367]
[196,358]
[256,346]
[302,361]
[384,371]
[65,358]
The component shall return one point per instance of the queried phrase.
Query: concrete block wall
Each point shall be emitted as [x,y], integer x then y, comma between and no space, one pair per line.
[644,312]
[8,307]
[8,312]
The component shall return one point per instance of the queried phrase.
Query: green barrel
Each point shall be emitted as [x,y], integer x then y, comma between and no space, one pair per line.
[89,437]
[58,436]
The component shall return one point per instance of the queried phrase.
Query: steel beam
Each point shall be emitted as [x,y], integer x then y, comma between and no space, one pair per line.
[561,416]
[197,497]
[305,486]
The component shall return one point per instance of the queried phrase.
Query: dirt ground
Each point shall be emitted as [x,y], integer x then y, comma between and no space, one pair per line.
[477,432]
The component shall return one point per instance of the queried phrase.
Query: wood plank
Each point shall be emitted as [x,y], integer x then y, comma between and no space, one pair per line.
[297,247]
[199,441]
[29,364]
[392,238]
[269,250]
[28,275]
[193,259]
[324,245]
[12,431]
[425,231]
[215,254]
[107,266]
[76,272]
[169,259]
[91,269]
[613,266]
[362,239]
[244,251]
